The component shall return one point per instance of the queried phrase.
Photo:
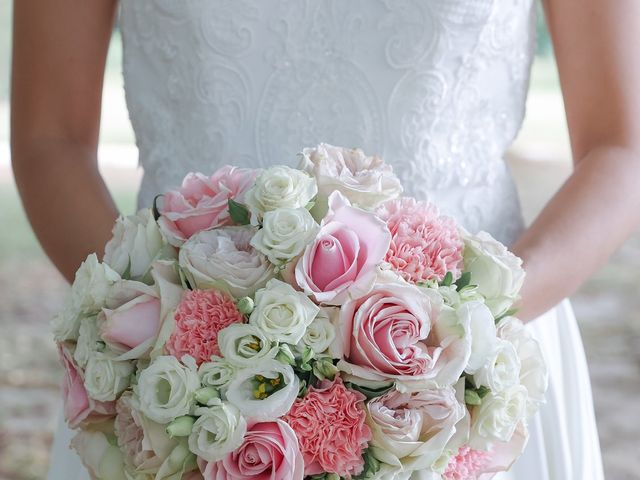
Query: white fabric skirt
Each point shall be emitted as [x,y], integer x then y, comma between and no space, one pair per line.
[564,440]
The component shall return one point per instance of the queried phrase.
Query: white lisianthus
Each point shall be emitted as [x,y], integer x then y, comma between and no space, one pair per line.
[479,324]
[136,243]
[502,370]
[88,293]
[105,378]
[498,416]
[166,388]
[284,234]
[533,372]
[247,390]
[218,430]
[495,270]
[282,313]
[320,334]
[280,187]
[98,450]
[89,341]
[244,345]
[455,298]
[365,180]
[224,258]
[217,373]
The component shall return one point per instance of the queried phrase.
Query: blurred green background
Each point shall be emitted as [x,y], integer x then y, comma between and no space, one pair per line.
[608,306]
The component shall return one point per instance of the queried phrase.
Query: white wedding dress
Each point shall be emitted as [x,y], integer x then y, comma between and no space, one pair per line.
[437,87]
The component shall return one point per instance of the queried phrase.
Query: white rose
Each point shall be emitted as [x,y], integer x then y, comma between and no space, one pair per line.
[282,313]
[135,244]
[533,372]
[218,430]
[264,391]
[88,293]
[105,378]
[495,270]
[320,335]
[98,450]
[166,388]
[244,345]
[502,370]
[89,342]
[217,373]
[481,328]
[280,187]
[224,258]
[284,234]
[498,416]
[365,180]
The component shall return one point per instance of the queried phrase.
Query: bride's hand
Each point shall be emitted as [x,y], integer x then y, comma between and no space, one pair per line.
[599,205]
[59,51]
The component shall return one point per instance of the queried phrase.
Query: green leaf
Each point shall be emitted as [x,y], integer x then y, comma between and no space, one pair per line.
[447,280]
[239,213]
[154,210]
[369,392]
[127,272]
[471,397]
[482,391]
[463,281]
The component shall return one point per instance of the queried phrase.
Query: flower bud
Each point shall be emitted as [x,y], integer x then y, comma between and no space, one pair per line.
[206,394]
[245,305]
[181,426]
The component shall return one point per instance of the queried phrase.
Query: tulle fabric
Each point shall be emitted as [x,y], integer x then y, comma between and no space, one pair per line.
[564,439]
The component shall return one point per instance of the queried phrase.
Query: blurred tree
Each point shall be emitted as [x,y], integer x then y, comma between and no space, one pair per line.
[5,47]
[545,48]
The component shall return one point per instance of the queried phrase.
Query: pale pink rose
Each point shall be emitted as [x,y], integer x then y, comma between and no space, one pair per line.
[502,455]
[341,262]
[329,422]
[78,407]
[131,328]
[413,429]
[199,318]
[270,452]
[201,202]
[467,464]
[424,244]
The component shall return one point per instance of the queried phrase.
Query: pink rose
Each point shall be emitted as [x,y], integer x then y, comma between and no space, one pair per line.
[269,452]
[391,334]
[78,407]
[424,244]
[341,262]
[330,425]
[413,429]
[199,318]
[131,328]
[202,202]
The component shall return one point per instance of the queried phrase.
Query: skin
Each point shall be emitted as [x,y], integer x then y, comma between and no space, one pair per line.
[58,65]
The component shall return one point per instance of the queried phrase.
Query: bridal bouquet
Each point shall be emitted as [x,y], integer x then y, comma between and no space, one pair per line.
[291,324]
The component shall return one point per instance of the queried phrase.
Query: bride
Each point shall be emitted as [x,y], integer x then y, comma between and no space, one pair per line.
[437,87]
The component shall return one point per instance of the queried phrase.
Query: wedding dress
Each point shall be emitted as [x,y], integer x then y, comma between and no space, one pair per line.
[436,87]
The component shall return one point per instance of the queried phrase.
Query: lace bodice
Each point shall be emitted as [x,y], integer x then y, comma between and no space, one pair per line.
[436,87]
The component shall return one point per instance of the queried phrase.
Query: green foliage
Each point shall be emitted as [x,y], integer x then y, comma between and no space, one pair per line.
[239,213]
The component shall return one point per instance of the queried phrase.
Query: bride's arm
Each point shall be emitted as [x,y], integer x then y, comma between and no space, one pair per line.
[59,52]
[598,207]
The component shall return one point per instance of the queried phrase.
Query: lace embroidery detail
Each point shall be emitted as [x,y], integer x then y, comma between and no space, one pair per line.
[435,86]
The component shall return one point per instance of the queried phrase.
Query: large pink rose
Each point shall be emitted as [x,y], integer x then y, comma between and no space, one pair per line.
[391,333]
[78,407]
[341,262]
[425,245]
[269,452]
[202,202]
[330,424]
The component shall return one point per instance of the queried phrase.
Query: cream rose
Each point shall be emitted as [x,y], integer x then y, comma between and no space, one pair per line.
[365,180]
[225,259]
[496,271]
[105,378]
[502,370]
[320,335]
[244,345]
[218,430]
[497,417]
[166,389]
[135,245]
[89,342]
[285,233]
[282,313]
[281,187]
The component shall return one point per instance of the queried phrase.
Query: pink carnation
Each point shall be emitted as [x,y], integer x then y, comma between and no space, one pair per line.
[199,317]
[201,202]
[467,464]
[424,244]
[330,425]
